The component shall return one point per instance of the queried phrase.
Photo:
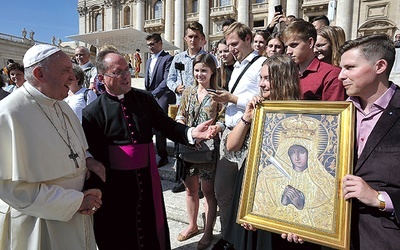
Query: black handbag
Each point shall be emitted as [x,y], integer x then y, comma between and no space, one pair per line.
[205,154]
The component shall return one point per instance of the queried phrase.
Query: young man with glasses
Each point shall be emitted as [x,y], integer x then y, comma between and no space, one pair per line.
[157,69]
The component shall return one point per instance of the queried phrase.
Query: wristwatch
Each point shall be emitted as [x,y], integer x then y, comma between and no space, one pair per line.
[382,203]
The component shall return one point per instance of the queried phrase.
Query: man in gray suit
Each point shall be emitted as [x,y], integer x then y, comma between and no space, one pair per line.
[157,69]
[82,56]
[374,186]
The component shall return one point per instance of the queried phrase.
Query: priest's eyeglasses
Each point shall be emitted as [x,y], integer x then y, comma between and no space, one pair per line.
[118,73]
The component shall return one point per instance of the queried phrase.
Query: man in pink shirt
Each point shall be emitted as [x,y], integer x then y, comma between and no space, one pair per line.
[374,186]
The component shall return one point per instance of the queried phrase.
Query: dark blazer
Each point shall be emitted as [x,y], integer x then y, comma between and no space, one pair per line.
[158,85]
[3,93]
[379,166]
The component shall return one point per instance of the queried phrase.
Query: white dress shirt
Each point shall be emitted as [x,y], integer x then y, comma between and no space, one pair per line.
[245,89]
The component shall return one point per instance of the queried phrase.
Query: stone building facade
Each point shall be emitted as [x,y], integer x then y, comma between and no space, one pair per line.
[169,17]
[14,47]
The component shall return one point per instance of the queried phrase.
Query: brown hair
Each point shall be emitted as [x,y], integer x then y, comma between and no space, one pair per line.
[14,66]
[284,77]
[335,39]
[196,26]
[78,72]
[301,29]
[241,30]
[373,48]
[209,61]
[155,36]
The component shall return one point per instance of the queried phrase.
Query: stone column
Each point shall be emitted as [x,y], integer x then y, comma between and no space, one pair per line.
[83,18]
[204,19]
[271,9]
[169,21]
[243,11]
[109,16]
[140,14]
[344,14]
[292,8]
[179,24]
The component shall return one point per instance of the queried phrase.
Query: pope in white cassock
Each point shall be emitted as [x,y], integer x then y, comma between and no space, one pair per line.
[43,162]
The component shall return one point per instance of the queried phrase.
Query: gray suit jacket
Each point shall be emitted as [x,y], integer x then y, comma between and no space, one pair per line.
[379,166]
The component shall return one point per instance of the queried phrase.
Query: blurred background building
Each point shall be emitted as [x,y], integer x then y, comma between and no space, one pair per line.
[169,17]
[125,23]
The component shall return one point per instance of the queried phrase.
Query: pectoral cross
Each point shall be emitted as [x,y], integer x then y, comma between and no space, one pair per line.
[73,156]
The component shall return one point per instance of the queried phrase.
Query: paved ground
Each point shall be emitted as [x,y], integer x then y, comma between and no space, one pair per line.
[175,202]
[176,212]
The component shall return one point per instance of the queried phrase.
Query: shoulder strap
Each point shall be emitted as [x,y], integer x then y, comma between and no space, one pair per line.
[85,94]
[242,73]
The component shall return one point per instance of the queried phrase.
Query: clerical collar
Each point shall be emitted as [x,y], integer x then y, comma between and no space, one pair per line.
[118,96]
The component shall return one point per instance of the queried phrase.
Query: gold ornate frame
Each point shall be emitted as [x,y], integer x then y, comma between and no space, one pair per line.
[316,211]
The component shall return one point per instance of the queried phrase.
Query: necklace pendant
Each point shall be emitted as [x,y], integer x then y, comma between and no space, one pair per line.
[73,156]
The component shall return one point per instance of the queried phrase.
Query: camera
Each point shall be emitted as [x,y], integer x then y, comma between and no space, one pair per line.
[179,66]
[278,9]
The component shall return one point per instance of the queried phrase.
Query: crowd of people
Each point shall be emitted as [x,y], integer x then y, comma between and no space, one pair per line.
[95,154]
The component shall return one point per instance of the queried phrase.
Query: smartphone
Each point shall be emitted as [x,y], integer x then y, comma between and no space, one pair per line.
[212,90]
[179,66]
[278,9]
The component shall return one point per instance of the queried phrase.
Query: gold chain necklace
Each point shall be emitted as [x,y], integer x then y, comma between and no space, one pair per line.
[72,154]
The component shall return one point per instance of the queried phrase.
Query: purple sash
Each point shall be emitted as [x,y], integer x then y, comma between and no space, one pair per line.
[128,157]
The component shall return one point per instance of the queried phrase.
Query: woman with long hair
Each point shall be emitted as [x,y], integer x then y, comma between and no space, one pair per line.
[327,45]
[260,41]
[275,45]
[279,81]
[197,106]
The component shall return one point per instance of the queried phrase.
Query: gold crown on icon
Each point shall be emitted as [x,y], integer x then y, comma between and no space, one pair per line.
[299,127]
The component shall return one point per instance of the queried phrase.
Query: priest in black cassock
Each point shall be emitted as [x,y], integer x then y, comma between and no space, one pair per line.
[118,127]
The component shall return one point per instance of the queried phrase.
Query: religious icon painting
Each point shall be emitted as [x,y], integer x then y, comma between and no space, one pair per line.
[299,152]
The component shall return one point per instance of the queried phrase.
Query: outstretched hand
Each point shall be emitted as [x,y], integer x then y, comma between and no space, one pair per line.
[204,130]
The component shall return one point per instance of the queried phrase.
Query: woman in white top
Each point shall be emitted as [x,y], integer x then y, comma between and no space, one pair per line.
[16,75]
[79,97]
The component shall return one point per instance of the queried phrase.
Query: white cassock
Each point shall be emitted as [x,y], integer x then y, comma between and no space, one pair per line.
[40,185]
